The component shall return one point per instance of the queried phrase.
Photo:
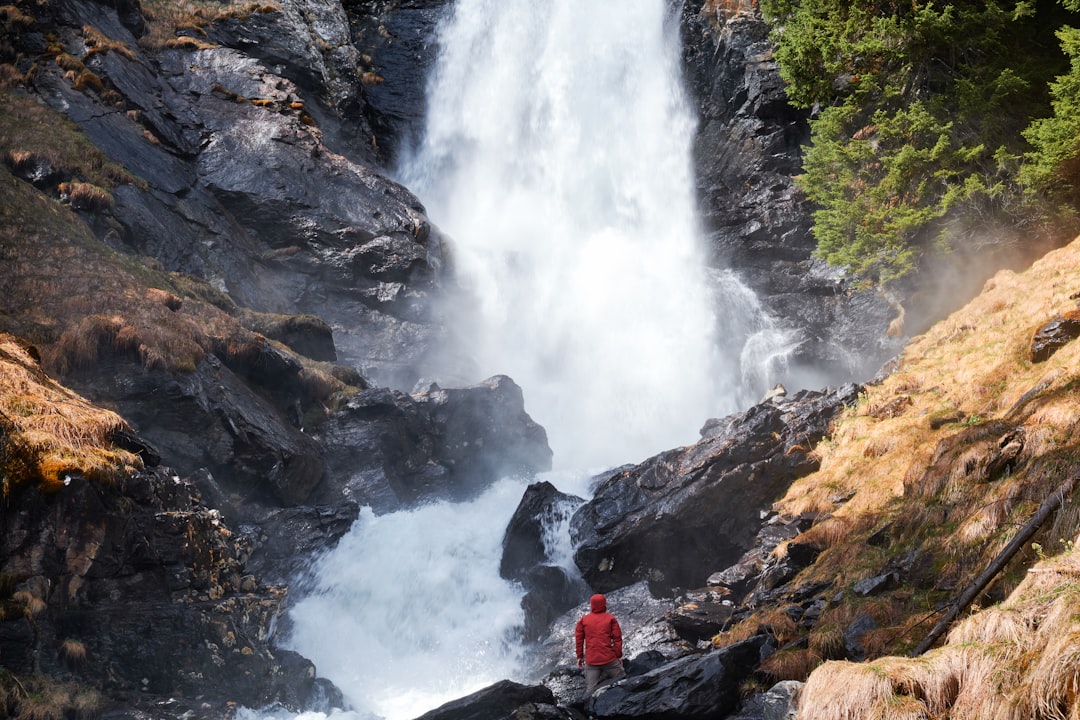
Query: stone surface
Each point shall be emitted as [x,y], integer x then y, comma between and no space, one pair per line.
[695,686]
[496,701]
[140,588]
[667,518]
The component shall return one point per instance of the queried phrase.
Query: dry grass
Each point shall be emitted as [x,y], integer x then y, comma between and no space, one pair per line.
[30,130]
[951,454]
[73,652]
[51,434]
[174,24]
[1017,660]
[795,664]
[87,196]
[954,450]
[40,698]
[98,42]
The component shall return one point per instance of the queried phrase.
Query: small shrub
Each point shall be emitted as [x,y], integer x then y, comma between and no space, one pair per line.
[73,653]
[12,16]
[87,196]
[98,42]
[88,80]
[10,76]
[66,61]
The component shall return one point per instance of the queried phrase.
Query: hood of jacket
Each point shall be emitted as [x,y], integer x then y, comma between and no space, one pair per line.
[598,603]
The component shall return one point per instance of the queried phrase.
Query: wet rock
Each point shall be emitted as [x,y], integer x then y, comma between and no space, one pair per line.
[212,419]
[696,686]
[496,701]
[777,703]
[542,509]
[738,579]
[684,510]
[137,586]
[399,38]
[484,431]
[391,450]
[876,584]
[703,615]
[549,590]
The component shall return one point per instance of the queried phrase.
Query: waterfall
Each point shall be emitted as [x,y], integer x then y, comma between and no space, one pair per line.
[557,160]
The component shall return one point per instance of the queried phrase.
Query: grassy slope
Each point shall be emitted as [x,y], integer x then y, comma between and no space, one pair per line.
[941,463]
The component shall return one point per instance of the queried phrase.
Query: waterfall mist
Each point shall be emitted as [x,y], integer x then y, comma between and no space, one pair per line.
[557,158]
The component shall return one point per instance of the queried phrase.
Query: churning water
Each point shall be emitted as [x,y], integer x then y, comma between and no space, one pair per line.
[557,160]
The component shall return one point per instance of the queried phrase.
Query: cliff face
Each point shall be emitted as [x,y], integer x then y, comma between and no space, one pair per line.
[747,152]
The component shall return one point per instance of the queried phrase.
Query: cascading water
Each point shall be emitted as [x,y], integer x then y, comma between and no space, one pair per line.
[557,160]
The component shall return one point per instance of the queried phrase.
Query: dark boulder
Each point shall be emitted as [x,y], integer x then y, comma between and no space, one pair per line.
[684,510]
[549,589]
[1054,335]
[541,510]
[492,703]
[392,450]
[213,420]
[703,615]
[696,686]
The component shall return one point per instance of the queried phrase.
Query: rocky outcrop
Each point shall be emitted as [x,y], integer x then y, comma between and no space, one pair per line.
[747,151]
[503,699]
[240,184]
[139,589]
[550,589]
[684,509]
[391,450]
[397,41]
[696,686]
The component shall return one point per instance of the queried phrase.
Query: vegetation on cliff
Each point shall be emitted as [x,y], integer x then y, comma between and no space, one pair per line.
[920,486]
[935,127]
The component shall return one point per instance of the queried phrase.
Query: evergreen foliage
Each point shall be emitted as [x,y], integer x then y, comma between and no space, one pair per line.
[920,117]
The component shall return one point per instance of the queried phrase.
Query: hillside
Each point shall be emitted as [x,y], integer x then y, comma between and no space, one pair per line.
[920,486]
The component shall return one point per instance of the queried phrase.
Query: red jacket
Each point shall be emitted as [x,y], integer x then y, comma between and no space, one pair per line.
[598,635]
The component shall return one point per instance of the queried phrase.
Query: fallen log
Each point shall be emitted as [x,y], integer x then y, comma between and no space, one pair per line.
[1025,533]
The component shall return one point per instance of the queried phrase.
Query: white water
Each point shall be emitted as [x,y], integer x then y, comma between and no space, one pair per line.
[557,159]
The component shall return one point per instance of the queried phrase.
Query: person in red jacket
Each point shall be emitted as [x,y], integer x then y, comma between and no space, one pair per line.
[599,645]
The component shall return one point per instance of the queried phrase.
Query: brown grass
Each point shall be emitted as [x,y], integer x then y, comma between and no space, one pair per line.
[73,652]
[86,196]
[41,698]
[921,453]
[795,664]
[171,22]
[31,129]
[1017,660]
[98,42]
[52,434]
[12,16]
